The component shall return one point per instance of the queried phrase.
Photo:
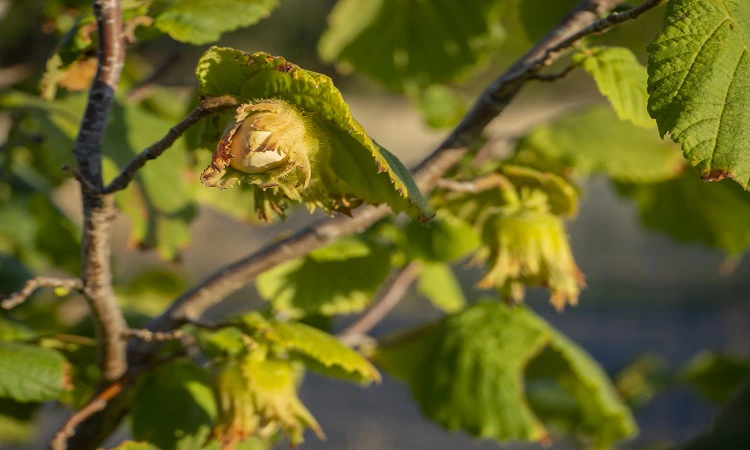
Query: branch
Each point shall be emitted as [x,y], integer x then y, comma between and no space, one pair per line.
[550,77]
[153,336]
[206,107]
[395,291]
[98,210]
[481,184]
[86,185]
[16,298]
[582,20]
[597,27]
[98,403]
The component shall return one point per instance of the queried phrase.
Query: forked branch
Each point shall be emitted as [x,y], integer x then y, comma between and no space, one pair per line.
[206,107]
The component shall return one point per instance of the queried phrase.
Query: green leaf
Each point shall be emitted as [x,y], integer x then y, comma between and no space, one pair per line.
[599,412]
[178,397]
[204,21]
[441,106]
[439,285]
[716,377]
[699,67]
[317,349]
[596,141]
[418,42]
[688,210]
[472,377]
[32,374]
[621,78]
[442,239]
[130,445]
[337,279]
[467,372]
[348,162]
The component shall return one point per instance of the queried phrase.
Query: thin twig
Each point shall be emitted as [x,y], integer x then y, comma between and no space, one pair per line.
[206,107]
[550,77]
[153,336]
[354,334]
[16,298]
[86,185]
[598,27]
[481,184]
[99,402]
[581,21]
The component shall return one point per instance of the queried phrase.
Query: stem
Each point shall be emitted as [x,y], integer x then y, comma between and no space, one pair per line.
[35,283]
[394,293]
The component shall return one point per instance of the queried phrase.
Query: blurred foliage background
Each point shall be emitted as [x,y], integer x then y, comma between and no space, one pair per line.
[666,300]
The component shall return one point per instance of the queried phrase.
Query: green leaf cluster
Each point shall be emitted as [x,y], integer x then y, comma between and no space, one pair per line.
[411,42]
[477,371]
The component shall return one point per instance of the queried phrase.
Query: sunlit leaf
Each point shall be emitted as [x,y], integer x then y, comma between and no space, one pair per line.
[699,76]
[320,350]
[204,21]
[620,78]
[439,285]
[338,279]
